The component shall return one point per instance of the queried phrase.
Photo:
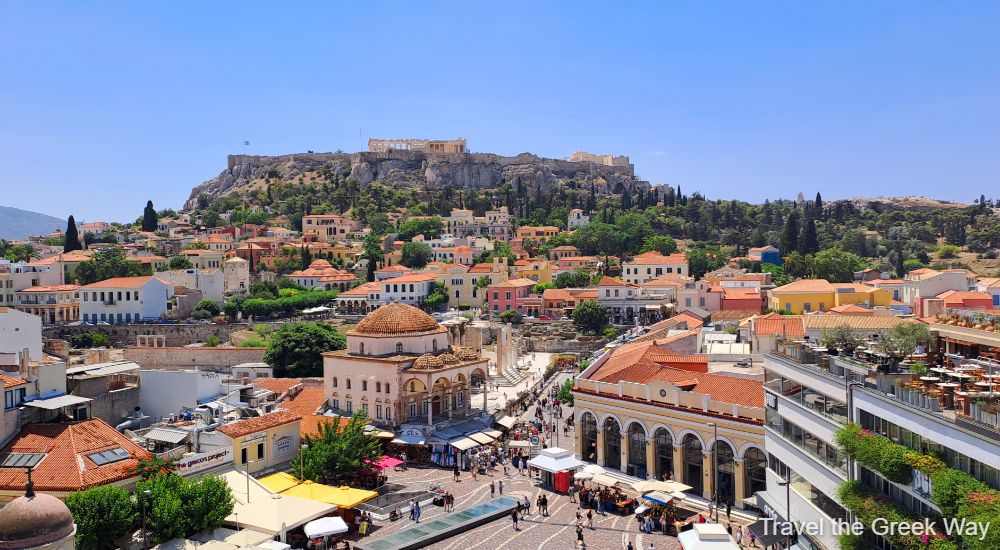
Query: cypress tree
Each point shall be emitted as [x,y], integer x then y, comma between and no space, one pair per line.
[149,217]
[818,204]
[790,235]
[306,256]
[809,243]
[72,240]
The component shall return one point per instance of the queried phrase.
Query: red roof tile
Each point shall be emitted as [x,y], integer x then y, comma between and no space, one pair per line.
[259,424]
[789,326]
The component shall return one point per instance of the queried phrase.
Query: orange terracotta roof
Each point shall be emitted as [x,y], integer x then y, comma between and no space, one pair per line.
[311,423]
[52,288]
[851,309]
[277,385]
[411,278]
[70,257]
[856,322]
[67,466]
[789,326]
[676,321]
[305,403]
[611,281]
[124,282]
[259,424]
[805,285]
[392,269]
[960,297]
[395,319]
[10,381]
[516,283]
[655,258]
[481,268]
[361,290]
[730,293]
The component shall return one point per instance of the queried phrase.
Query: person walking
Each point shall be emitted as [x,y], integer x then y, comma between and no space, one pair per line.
[590,519]
[416,512]
[527,507]
[413,509]
[579,537]
[493,490]
[500,486]
[545,505]
[579,518]
[729,509]
[455,470]
[629,546]
[572,493]
[738,536]
[513,518]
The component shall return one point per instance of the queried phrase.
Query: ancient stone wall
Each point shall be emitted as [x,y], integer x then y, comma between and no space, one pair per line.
[175,334]
[178,358]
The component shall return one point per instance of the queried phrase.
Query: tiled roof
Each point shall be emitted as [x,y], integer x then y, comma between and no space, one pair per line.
[611,281]
[258,424]
[392,269]
[277,385]
[789,326]
[311,423]
[677,321]
[516,283]
[10,381]
[856,322]
[655,258]
[411,278]
[481,268]
[805,285]
[124,282]
[730,293]
[733,314]
[961,296]
[66,466]
[395,319]
[52,288]
[851,309]
[361,290]
[305,403]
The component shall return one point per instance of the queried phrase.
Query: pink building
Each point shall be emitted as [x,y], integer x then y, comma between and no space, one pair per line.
[509,295]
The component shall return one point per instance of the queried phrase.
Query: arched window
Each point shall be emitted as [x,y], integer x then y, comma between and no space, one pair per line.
[612,443]
[434,344]
[348,383]
[725,476]
[692,464]
[362,348]
[754,466]
[637,450]
[378,387]
[399,347]
[364,385]
[335,381]
[413,386]
[588,426]
[386,387]
[664,454]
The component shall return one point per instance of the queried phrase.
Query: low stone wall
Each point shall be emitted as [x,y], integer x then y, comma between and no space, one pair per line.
[176,334]
[178,358]
[558,337]
[555,345]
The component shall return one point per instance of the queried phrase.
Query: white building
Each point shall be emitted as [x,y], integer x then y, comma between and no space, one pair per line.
[407,289]
[125,300]
[209,281]
[19,331]
[237,274]
[164,392]
[577,219]
[650,265]
[15,276]
[924,283]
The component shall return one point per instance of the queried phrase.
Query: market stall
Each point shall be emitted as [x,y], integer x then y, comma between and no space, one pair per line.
[557,467]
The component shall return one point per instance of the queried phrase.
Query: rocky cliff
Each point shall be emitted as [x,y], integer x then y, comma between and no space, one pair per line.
[525,173]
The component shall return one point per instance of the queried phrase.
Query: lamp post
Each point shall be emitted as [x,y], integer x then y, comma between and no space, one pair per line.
[715,468]
[787,484]
[145,502]
[246,470]
[302,463]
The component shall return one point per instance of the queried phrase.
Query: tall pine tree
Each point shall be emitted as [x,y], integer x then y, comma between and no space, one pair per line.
[808,242]
[149,218]
[72,240]
[790,235]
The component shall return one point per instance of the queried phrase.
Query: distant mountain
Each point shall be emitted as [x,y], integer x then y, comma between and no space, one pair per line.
[20,224]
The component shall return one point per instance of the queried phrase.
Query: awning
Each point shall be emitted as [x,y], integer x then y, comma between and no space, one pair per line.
[481,438]
[463,444]
[519,444]
[661,498]
[766,537]
[507,421]
[555,465]
[341,497]
[166,436]
[58,402]
[606,480]
[495,434]
[281,481]
[386,462]
[648,485]
[410,439]
[324,527]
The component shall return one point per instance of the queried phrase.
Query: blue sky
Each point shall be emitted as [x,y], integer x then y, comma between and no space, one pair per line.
[105,105]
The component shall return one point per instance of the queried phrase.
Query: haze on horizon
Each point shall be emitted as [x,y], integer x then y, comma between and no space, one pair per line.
[106,106]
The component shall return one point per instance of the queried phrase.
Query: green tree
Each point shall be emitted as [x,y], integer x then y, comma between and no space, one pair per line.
[178,507]
[701,260]
[107,263]
[265,290]
[790,234]
[948,251]
[89,340]
[180,262]
[511,316]
[428,227]
[835,265]
[149,217]
[500,250]
[542,287]
[296,349]
[664,244]
[565,394]
[578,278]
[416,255]
[437,299]
[209,307]
[339,452]
[840,336]
[71,240]
[102,514]
[904,338]
[809,242]
[373,253]
[590,316]
[482,282]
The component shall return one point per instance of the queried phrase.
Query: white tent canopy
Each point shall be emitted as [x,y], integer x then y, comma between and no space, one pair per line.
[324,527]
[707,536]
[266,511]
[556,460]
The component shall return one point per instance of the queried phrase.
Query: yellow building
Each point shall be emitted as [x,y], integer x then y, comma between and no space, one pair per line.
[649,413]
[265,441]
[54,304]
[539,233]
[536,269]
[809,295]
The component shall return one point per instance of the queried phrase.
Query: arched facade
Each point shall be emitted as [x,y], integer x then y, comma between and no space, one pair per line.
[588,435]
[693,464]
[754,471]
[663,443]
[636,441]
[612,443]
[724,463]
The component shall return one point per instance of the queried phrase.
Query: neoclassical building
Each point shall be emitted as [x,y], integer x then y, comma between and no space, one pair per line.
[646,411]
[399,365]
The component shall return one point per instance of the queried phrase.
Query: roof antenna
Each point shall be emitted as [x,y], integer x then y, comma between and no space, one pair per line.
[29,488]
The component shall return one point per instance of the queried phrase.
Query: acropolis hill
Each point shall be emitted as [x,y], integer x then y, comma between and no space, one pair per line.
[418,166]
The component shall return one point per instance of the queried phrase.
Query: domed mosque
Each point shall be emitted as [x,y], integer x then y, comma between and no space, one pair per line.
[36,521]
[400,366]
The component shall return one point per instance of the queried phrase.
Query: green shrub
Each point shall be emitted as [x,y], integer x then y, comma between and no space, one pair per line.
[212,342]
[91,339]
[949,487]
[252,343]
[875,452]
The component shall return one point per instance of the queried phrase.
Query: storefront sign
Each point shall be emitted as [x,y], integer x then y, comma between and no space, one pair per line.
[253,438]
[283,445]
[202,461]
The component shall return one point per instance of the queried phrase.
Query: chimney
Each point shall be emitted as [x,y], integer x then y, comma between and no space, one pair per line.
[25,359]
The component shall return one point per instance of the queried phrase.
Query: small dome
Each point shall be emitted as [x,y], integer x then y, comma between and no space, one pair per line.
[465,354]
[320,264]
[31,521]
[448,359]
[427,362]
[395,319]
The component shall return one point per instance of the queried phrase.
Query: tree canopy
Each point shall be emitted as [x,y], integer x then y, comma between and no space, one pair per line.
[71,240]
[102,514]
[107,263]
[149,217]
[338,452]
[296,349]
[416,255]
[590,316]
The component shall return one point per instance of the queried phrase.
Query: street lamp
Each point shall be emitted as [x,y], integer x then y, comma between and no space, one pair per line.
[787,484]
[147,493]
[715,468]
[302,463]
[246,470]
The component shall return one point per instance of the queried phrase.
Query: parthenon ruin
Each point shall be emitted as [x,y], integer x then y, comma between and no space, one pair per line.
[376,145]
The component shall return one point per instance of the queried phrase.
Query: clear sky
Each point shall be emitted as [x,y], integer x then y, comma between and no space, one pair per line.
[105,105]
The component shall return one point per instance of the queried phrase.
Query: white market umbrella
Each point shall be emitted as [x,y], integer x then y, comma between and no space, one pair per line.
[324,527]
